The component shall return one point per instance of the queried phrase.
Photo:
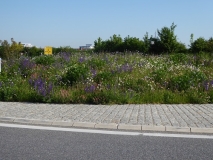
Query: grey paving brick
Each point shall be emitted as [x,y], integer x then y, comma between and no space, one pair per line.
[171,116]
[148,116]
[141,115]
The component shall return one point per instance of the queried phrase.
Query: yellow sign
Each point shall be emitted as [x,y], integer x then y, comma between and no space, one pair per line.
[48,50]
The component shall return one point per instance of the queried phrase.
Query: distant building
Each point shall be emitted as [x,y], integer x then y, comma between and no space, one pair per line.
[26,45]
[88,46]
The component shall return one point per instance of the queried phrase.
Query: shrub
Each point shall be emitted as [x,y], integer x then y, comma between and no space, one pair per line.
[103,77]
[178,58]
[159,75]
[186,80]
[210,96]
[197,97]
[96,63]
[75,72]
[44,60]
[168,97]
[26,66]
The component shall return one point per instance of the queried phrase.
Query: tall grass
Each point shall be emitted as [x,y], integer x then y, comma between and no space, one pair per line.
[108,78]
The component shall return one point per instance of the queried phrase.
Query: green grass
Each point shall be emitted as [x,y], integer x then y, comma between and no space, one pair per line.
[109,79]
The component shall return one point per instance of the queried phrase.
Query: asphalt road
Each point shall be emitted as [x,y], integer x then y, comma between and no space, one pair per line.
[28,144]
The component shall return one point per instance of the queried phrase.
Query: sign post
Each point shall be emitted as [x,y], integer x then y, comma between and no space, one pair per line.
[48,50]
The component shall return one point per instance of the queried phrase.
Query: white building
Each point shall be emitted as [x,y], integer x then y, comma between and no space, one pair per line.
[88,46]
[26,45]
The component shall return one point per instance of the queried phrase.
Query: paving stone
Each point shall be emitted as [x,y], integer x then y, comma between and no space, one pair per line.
[175,115]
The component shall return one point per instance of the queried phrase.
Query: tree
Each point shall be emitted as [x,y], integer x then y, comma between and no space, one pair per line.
[116,43]
[168,40]
[15,48]
[146,43]
[181,47]
[10,50]
[133,44]
[155,46]
[5,49]
[98,45]
[33,51]
[210,45]
[199,45]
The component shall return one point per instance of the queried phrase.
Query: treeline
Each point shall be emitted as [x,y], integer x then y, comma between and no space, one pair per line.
[165,42]
[15,49]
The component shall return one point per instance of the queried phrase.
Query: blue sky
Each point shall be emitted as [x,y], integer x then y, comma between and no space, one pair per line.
[79,22]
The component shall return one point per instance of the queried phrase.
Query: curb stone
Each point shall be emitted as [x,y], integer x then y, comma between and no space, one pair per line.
[202,130]
[153,128]
[84,124]
[178,129]
[130,127]
[62,124]
[106,125]
[7,119]
[23,121]
[42,122]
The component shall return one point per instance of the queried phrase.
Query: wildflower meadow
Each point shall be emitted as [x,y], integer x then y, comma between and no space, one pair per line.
[108,78]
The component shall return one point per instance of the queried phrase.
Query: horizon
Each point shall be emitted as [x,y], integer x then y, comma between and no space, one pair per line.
[77,23]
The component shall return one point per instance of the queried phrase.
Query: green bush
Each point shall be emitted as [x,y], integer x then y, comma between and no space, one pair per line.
[168,97]
[211,96]
[186,80]
[196,97]
[103,77]
[96,63]
[74,73]
[159,75]
[44,59]
[178,58]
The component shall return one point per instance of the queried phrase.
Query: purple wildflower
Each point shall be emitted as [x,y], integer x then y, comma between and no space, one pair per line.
[206,85]
[90,89]
[211,83]
[65,56]
[81,59]
[41,87]
[93,71]
[26,64]
[125,68]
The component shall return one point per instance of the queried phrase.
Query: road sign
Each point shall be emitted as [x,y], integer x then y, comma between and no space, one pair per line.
[48,50]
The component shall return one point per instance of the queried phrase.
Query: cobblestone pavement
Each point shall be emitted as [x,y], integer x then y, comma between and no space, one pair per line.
[178,115]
